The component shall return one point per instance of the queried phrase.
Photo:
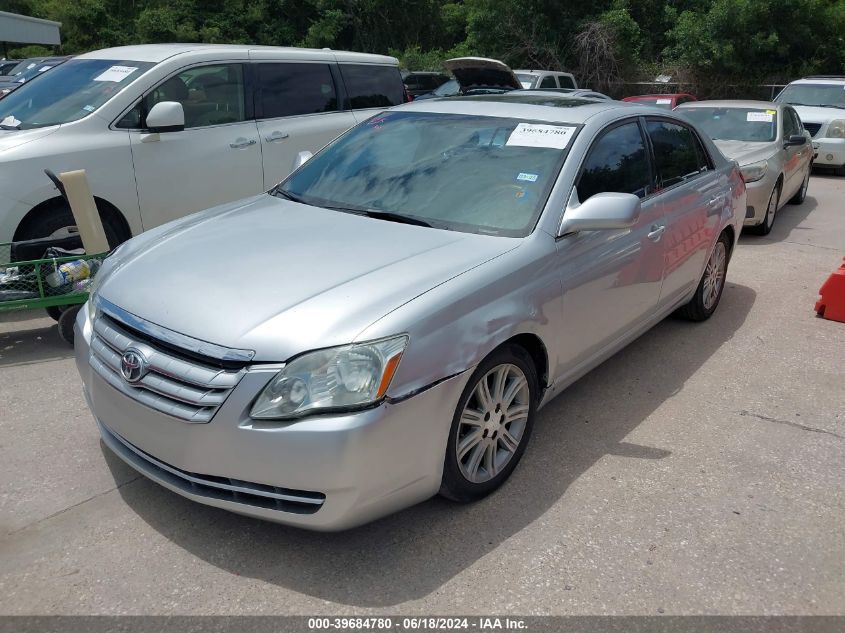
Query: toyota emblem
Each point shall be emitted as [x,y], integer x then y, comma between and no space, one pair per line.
[133,365]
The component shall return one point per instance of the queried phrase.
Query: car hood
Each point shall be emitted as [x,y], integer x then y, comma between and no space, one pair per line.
[14,138]
[280,278]
[474,73]
[746,152]
[814,114]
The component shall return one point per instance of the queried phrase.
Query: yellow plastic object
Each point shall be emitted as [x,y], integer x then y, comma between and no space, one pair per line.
[84,211]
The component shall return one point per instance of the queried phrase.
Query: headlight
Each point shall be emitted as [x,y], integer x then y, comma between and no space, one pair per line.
[754,171]
[836,129]
[338,378]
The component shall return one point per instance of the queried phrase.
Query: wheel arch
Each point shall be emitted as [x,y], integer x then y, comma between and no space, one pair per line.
[536,349]
[106,209]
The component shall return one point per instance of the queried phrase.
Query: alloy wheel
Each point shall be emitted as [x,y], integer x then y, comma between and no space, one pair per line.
[714,275]
[492,423]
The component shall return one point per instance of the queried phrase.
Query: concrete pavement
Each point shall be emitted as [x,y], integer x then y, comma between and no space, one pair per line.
[699,471]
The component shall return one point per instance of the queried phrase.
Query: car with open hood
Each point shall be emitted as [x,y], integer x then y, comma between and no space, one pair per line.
[771,146]
[384,324]
[820,102]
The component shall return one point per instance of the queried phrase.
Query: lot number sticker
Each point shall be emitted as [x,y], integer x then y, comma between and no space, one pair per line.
[759,117]
[532,135]
[116,73]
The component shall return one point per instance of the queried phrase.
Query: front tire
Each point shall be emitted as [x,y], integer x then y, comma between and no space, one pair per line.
[491,426]
[801,194]
[765,227]
[709,292]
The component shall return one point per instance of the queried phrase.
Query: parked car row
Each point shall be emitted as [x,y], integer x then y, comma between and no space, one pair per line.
[26,70]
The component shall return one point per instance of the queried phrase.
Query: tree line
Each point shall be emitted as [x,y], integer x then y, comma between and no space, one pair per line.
[602,41]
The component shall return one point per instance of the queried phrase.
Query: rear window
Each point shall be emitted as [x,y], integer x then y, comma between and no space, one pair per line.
[294,89]
[370,86]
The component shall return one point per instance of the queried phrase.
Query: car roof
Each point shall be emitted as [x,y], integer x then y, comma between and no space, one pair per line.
[540,106]
[821,79]
[542,72]
[160,52]
[732,103]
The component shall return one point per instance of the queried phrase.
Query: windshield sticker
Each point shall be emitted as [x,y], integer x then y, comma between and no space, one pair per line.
[89,108]
[759,117]
[533,135]
[527,177]
[30,67]
[772,112]
[664,102]
[116,74]
[43,68]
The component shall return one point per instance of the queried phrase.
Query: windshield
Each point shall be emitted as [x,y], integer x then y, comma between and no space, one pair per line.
[824,95]
[525,79]
[466,173]
[735,124]
[67,93]
[448,89]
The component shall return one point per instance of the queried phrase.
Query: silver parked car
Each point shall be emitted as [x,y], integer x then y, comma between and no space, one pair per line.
[769,142]
[385,324]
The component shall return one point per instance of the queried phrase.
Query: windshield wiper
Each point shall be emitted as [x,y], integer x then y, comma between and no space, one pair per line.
[380,215]
[288,195]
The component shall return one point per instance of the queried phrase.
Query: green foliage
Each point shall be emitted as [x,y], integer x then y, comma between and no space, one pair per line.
[744,39]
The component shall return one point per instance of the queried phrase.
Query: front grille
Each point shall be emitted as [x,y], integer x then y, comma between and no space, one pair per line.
[213,487]
[813,128]
[176,386]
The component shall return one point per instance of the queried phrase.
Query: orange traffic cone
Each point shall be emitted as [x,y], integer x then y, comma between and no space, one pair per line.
[832,303]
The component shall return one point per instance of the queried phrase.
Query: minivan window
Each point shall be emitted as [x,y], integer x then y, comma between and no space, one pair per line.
[372,86]
[617,162]
[294,89]
[69,92]
[675,153]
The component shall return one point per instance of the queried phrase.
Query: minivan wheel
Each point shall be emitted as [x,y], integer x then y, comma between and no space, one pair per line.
[491,426]
[57,221]
[706,298]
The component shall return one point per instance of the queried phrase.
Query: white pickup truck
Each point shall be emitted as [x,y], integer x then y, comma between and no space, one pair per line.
[820,102]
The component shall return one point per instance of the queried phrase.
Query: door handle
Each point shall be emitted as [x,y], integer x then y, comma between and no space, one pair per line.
[276,136]
[714,202]
[656,232]
[242,142]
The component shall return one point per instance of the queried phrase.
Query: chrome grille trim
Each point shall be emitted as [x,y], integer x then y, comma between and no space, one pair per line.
[173,386]
[234,490]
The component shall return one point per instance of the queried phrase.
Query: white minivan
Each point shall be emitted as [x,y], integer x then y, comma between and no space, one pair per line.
[164,130]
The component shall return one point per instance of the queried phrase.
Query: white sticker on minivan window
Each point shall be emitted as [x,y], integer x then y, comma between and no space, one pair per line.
[30,67]
[533,135]
[664,102]
[759,117]
[43,68]
[116,73]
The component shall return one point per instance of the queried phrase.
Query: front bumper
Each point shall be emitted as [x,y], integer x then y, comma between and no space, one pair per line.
[352,468]
[829,151]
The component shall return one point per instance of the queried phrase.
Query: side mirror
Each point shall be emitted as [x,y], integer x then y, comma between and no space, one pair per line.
[301,159]
[795,140]
[603,211]
[166,116]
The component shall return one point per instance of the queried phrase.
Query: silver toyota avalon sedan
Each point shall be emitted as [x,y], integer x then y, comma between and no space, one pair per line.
[384,325]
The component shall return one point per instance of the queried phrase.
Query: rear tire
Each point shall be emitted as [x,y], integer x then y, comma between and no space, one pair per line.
[55,312]
[709,292]
[491,426]
[66,321]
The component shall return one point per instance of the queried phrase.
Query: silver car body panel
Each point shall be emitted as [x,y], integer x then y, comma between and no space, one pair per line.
[293,278]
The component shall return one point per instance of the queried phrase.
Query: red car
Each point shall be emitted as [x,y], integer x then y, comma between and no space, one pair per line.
[668,101]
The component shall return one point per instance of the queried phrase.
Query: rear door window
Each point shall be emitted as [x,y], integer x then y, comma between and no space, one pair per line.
[372,86]
[294,89]
[676,153]
[548,82]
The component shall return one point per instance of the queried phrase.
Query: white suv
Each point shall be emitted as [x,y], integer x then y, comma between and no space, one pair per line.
[820,102]
[167,130]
